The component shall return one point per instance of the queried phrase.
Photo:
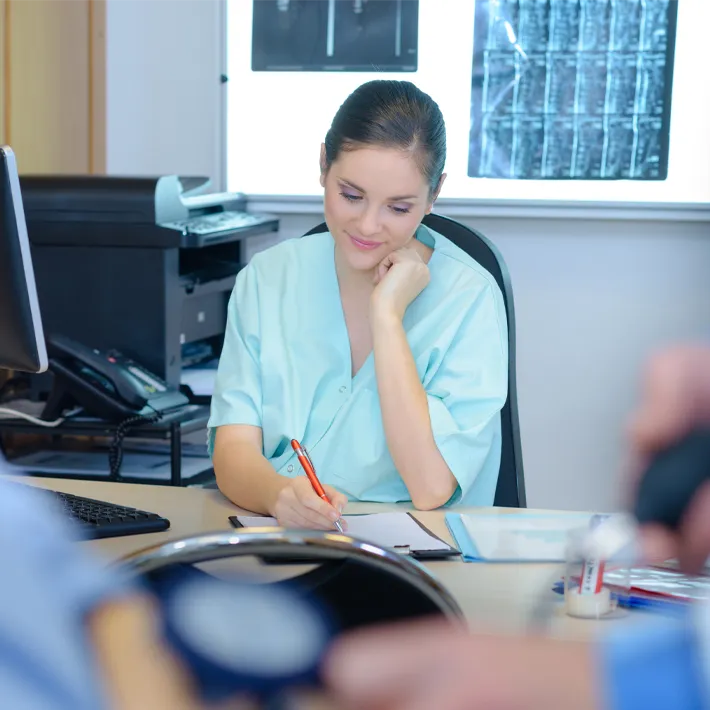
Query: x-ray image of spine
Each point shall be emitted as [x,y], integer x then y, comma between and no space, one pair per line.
[572,89]
[335,35]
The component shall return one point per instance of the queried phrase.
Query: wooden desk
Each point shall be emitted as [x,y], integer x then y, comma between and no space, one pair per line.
[497,596]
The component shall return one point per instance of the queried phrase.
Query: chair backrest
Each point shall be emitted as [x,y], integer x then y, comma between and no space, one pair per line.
[398,587]
[510,489]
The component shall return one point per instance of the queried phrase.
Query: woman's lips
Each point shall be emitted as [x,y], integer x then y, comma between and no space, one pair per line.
[363,244]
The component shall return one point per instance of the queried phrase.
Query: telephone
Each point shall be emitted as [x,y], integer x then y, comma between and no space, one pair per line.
[105,383]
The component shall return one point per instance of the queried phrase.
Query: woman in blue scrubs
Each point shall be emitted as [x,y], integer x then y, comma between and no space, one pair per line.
[379,345]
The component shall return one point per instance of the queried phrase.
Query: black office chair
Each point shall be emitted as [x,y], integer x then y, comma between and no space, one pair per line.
[510,489]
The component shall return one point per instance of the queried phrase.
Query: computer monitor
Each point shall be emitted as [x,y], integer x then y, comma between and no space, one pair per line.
[22,345]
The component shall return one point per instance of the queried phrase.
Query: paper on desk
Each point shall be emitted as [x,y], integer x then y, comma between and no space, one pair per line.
[661,582]
[94,464]
[391,530]
[4,465]
[519,537]
[200,378]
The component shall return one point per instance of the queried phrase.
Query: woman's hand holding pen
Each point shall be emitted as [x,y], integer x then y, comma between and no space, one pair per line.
[298,506]
[400,277]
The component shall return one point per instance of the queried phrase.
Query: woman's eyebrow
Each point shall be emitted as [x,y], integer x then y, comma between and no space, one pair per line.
[391,199]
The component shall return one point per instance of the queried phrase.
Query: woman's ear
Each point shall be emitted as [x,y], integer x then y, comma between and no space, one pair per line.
[323,165]
[436,192]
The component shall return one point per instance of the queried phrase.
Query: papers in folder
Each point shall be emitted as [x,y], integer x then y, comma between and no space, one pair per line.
[395,531]
[514,537]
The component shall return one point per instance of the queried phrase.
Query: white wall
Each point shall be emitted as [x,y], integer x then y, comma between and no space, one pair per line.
[163,92]
[593,298]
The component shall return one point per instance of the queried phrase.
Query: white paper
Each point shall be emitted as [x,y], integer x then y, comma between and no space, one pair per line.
[522,538]
[200,379]
[395,531]
[94,464]
[656,581]
[5,468]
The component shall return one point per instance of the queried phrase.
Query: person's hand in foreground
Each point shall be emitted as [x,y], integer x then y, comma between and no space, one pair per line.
[675,399]
[430,664]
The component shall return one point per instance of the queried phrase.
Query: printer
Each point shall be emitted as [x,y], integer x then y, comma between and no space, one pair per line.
[142,265]
[163,211]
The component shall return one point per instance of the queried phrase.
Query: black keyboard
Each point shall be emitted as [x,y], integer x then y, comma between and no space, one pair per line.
[101,519]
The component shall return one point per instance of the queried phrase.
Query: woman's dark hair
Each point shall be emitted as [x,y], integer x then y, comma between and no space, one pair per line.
[391,114]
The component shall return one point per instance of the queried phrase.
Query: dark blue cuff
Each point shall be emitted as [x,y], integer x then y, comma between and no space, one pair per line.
[655,668]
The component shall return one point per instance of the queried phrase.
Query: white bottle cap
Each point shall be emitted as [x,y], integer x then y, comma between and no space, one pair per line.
[588,606]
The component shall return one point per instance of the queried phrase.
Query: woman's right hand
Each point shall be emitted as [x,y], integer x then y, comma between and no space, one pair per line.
[298,506]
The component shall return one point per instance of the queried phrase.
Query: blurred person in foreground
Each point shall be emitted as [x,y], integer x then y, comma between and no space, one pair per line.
[74,633]
[79,634]
[663,666]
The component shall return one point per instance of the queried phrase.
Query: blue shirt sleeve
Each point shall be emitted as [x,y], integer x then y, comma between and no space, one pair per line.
[50,582]
[466,395]
[656,667]
[237,391]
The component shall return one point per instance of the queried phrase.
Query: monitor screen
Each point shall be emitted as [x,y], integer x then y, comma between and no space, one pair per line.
[22,345]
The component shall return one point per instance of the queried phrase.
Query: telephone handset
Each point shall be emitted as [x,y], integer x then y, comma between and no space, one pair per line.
[105,383]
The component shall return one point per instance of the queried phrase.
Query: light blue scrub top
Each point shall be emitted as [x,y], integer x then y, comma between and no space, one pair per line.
[286,367]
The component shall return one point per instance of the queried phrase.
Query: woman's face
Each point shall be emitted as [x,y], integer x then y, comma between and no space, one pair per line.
[375,199]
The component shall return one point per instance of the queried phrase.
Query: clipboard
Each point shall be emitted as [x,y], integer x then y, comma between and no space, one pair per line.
[439,550]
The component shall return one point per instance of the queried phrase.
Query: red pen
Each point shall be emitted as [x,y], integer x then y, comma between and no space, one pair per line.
[310,470]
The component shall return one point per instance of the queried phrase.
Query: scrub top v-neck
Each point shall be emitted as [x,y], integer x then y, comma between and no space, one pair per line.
[286,367]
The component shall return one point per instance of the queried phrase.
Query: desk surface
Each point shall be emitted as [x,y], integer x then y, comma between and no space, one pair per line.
[496,596]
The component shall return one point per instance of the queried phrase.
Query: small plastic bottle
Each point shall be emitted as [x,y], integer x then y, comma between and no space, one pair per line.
[594,588]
